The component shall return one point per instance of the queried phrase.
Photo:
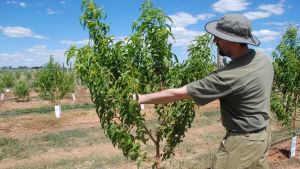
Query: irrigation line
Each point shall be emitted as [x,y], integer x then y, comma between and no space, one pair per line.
[46,109]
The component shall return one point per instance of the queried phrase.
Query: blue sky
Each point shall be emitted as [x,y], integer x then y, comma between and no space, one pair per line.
[32,30]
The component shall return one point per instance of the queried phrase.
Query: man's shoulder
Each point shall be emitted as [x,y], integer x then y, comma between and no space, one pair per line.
[261,55]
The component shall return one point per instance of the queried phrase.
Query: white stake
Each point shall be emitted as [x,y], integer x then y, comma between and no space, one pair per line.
[293,147]
[57,111]
[142,106]
[2,97]
[73,96]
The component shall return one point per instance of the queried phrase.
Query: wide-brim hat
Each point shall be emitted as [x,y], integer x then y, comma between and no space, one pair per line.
[234,28]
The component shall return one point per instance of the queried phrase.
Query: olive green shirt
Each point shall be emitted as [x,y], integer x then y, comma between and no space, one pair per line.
[243,87]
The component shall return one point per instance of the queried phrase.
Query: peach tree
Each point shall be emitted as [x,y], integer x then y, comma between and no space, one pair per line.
[52,83]
[286,87]
[141,63]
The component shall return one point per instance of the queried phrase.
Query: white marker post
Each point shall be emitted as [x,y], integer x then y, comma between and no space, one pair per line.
[2,97]
[57,111]
[142,106]
[73,97]
[293,147]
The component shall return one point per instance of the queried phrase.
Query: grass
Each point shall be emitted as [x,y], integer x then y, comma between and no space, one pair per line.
[15,148]
[45,109]
[23,148]
[211,114]
[91,162]
[206,119]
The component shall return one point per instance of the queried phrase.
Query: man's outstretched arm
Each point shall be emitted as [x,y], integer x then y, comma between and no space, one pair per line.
[165,96]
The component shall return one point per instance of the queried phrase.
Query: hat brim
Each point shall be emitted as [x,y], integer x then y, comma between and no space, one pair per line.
[210,27]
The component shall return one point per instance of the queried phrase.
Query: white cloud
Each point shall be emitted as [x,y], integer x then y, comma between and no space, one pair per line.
[223,6]
[6,56]
[42,50]
[267,50]
[52,12]
[11,2]
[37,48]
[266,35]
[183,36]
[257,15]
[266,10]
[70,42]
[20,32]
[282,25]
[276,9]
[278,23]
[119,38]
[36,56]
[17,4]
[22,4]
[62,2]
[183,19]
[205,16]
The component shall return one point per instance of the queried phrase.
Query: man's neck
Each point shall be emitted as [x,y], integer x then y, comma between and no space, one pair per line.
[239,53]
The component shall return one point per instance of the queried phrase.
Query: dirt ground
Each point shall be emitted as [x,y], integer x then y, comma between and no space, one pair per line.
[33,125]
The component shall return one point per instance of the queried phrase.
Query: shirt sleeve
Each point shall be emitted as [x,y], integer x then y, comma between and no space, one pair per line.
[208,89]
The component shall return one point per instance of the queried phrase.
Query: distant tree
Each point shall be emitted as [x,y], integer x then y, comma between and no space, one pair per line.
[68,84]
[8,79]
[1,86]
[286,87]
[23,67]
[17,75]
[21,90]
[28,75]
[51,82]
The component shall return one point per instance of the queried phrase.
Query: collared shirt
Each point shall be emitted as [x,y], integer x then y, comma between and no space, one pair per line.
[243,87]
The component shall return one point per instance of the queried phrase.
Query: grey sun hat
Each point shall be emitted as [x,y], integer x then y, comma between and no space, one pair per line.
[234,28]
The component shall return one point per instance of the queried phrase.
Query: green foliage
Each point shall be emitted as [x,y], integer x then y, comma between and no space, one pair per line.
[10,147]
[2,86]
[21,90]
[68,84]
[286,87]
[52,83]
[28,75]
[142,63]
[8,79]
[200,56]
[17,75]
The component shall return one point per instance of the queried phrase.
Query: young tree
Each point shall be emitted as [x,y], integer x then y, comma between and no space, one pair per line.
[200,62]
[51,82]
[143,62]
[286,87]
[8,79]
[17,75]
[21,90]
[2,86]
[68,84]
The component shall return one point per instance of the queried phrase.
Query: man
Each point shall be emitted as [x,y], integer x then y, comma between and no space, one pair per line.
[243,88]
